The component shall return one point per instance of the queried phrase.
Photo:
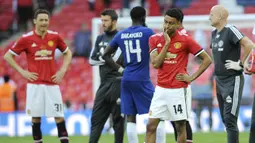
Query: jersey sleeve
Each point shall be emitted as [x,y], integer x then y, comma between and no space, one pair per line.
[152,43]
[114,43]
[235,35]
[96,53]
[193,47]
[61,45]
[18,47]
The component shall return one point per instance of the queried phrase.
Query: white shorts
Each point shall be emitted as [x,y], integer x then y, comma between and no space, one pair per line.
[171,104]
[44,100]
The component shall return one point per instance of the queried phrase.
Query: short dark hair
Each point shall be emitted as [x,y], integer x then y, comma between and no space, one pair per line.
[182,15]
[40,11]
[110,12]
[6,78]
[173,12]
[138,13]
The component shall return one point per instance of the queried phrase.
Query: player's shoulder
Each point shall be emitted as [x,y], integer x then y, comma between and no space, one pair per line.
[28,34]
[183,31]
[231,27]
[182,34]
[157,35]
[146,30]
[52,32]
[214,30]
[100,35]
[228,26]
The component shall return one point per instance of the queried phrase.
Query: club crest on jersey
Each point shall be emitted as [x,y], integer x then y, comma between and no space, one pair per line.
[220,43]
[50,43]
[177,45]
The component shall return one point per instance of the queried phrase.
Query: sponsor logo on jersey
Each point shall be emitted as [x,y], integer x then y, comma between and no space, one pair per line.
[43,55]
[170,55]
[177,45]
[50,43]
[170,62]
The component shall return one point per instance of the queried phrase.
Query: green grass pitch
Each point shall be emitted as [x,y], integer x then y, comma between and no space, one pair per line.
[212,137]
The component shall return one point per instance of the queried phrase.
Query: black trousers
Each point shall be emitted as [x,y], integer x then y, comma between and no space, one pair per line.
[229,94]
[106,103]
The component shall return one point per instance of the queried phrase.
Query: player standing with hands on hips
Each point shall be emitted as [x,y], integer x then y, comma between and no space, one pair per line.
[169,53]
[226,43]
[43,93]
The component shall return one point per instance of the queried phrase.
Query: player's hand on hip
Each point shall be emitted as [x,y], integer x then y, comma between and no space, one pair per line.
[31,76]
[233,65]
[167,37]
[246,68]
[57,78]
[183,77]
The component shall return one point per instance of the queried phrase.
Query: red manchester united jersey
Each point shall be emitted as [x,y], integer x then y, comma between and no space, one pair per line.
[40,54]
[176,59]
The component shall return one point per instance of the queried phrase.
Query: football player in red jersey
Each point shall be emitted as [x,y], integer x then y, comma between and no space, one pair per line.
[188,127]
[169,53]
[43,93]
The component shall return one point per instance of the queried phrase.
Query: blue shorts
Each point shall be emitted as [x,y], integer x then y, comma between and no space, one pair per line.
[136,97]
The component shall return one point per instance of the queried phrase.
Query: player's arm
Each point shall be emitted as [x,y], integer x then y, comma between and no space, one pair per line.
[9,57]
[108,59]
[67,60]
[157,59]
[247,45]
[95,58]
[236,36]
[110,49]
[67,55]
[206,61]
[196,50]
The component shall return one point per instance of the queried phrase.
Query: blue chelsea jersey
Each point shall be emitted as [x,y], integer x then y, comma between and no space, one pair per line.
[134,44]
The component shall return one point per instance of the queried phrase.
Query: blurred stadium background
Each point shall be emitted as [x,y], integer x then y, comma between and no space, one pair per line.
[77,21]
